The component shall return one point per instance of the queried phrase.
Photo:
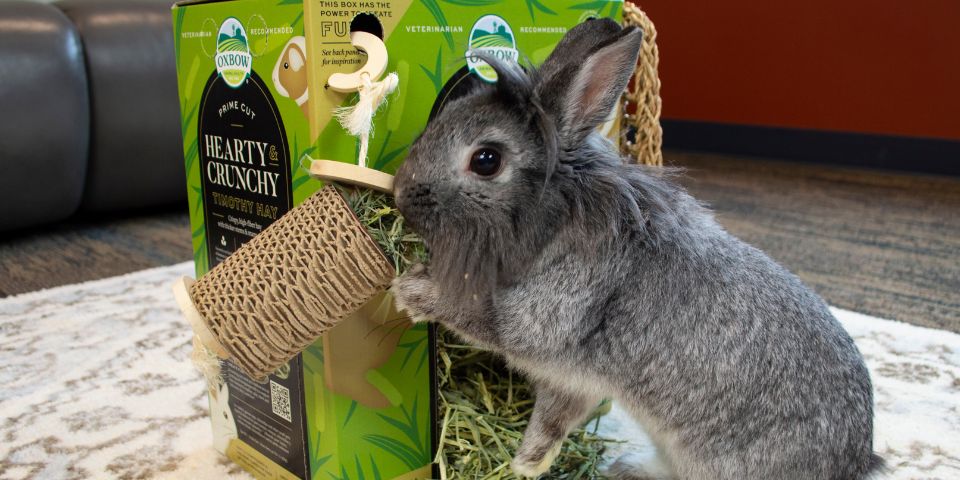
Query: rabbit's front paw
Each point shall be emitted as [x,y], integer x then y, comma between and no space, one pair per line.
[526,465]
[415,293]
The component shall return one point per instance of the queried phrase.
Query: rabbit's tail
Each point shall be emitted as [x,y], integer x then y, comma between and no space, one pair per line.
[876,466]
[628,468]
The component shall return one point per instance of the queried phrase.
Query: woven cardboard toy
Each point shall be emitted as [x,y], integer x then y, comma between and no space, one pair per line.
[283,289]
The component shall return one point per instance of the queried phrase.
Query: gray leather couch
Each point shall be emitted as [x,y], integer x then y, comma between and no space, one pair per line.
[89,114]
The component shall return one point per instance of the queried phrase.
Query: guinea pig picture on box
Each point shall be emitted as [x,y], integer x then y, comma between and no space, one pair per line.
[290,73]
[601,279]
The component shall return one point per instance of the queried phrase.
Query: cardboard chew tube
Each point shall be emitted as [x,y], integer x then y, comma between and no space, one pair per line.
[181,292]
[284,288]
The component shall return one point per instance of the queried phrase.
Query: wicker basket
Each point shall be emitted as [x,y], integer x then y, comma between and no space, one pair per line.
[640,125]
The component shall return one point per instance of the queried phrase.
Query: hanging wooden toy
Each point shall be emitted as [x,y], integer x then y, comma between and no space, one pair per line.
[358,119]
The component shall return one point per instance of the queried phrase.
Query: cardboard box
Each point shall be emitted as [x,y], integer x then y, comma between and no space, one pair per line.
[361,402]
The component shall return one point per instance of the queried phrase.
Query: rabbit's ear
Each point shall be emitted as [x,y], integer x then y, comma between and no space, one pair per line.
[577,44]
[581,94]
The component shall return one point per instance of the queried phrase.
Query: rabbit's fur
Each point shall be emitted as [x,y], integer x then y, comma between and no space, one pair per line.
[602,279]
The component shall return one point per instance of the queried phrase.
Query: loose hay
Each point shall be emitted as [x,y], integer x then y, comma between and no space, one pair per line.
[485,409]
[379,213]
[484,406]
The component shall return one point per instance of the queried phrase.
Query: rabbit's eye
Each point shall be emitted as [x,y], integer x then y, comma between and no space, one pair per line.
[485,162]
[286,65]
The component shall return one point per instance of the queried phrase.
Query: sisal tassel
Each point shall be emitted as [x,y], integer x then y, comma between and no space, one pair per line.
[206,362]
[358,119]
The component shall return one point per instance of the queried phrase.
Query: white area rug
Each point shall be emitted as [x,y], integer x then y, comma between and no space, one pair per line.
[95,383]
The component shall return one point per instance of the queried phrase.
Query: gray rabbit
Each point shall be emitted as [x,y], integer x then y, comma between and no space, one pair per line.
[601,279]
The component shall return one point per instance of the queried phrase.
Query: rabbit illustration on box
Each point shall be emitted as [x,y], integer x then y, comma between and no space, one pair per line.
[601,279]
[375,329]
[224,425]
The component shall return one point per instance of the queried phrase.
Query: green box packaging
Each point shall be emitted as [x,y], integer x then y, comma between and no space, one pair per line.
[356,404]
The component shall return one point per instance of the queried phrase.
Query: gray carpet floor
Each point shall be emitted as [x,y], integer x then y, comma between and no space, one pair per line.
[885,244]
[82,250]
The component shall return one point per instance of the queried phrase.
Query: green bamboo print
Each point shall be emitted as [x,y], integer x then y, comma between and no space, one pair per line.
[410,427]
[343,474]
[186,120]
[350,412]
[472,3]
[360,475]
[599,6]
[314,356]
[178,27]
[396,449]
[415,453]
[191,155]
[320,461]
[374,469]
[200,253]
[435,75]
[423,359]
[385,158]
[297,173]
[437,13]
[411,348]
[535,4]
[199,196]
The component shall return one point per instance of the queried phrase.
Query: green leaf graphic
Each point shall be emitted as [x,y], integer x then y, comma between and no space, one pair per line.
[436,75]
[410,428]
[395,448]
[384,158]
[316,454]
[360,475]
[437,13]
[200,257]
[596,5]
[353,408]
[186,120]
[599,6]
[411,348]
[472,3]
[376,471]
[191,155]
[199,192]
[178,28]
[531,4]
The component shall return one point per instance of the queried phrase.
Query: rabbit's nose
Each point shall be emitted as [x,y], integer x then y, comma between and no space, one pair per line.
[416,195]
[420,192]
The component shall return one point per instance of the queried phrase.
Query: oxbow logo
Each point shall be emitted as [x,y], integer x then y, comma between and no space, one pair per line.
[492,35]
[233,53]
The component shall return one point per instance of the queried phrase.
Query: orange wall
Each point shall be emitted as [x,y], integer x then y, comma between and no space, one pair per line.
[866,66]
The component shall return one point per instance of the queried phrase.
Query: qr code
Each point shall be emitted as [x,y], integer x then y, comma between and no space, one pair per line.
[280,400]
